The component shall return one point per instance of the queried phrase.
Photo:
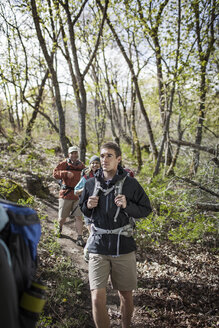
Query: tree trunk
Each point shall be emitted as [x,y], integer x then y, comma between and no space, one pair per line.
[76,75]
[170,106]
[31,122]
[49,60]
[134,132]
[204,56]
[170,170]
[135,80]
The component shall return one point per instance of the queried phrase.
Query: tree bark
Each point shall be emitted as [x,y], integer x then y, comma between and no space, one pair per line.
[135,80]
[134,132]
[172,93]
[208,207]
[176,154]
[199,186]
[31,122]
[212,151]
[76,75]
[49,60]
[204,56]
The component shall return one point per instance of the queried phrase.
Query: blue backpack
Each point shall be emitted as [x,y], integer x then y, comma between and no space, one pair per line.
[20,237]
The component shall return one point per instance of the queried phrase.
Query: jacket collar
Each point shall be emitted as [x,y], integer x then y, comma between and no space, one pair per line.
[120,174]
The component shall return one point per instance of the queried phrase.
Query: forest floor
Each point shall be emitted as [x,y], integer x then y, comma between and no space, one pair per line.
[178,287]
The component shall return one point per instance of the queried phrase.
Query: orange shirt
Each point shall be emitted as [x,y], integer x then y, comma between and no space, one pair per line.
[61,172]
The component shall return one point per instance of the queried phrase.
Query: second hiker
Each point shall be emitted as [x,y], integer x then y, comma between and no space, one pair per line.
[69,172]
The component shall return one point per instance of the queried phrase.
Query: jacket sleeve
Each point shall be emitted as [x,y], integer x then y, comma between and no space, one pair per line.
[60,172]
[138,205]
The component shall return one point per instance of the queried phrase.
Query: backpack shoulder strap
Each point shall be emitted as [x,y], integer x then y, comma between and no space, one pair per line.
[118,190]
[68,167]
[96,187]
[119,185]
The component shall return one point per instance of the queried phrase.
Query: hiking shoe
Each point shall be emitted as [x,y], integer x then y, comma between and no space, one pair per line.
[80,241]
[59,231]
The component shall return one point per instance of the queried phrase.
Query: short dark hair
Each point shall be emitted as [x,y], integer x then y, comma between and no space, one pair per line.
[114,146]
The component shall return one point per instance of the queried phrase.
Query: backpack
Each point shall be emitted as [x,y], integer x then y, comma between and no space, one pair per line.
[130,172]
[117,190]
[20,237]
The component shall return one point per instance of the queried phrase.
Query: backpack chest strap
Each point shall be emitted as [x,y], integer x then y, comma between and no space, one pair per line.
[126,231]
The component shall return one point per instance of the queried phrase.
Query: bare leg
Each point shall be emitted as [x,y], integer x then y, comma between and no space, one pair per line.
[99,310]
[61,222]
[126,307]
[79,225]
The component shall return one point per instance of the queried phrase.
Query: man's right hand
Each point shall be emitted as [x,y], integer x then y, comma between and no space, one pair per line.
[92,202]
[70,175]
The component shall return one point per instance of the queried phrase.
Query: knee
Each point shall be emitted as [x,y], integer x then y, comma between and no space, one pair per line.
[126,296]
[98,298]
[97,301]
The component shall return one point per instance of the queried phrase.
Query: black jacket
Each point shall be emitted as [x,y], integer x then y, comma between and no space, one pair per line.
[138,206]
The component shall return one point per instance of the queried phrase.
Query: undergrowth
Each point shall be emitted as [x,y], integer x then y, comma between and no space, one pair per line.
[65,288]
[175,219]
[175,216]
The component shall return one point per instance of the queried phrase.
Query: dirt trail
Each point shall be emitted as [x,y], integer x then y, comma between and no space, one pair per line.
[68,239]
[176,287]
[69,247]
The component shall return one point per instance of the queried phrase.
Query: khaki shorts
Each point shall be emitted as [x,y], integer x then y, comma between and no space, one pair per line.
[66,206]
[121,270]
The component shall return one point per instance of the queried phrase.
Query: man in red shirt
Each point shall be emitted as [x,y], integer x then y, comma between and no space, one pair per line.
[69,172]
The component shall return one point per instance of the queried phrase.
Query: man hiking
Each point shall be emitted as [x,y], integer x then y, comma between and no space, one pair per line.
[69,172]
[111,200]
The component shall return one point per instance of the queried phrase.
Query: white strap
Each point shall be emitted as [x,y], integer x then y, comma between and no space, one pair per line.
[126,231]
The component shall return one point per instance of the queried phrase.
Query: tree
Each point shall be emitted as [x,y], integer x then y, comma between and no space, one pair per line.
[135,81]
[21,70]
[77,75]
[204,22]
[49,60]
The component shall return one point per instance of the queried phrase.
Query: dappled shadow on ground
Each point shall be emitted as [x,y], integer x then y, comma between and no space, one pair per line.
[177,287]
[67,237]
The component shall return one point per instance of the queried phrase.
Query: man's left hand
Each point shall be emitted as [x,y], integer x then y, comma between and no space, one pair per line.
[120,201]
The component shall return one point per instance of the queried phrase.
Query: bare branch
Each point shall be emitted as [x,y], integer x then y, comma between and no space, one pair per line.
[196,184]
[212,151]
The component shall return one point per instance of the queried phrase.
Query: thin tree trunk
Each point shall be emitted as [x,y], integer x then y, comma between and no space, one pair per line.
[196,184]
[170,106]
[134,132]
[31,122]
[49,60]
[135,80]
[78,76]
[204,58]
[170,170]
